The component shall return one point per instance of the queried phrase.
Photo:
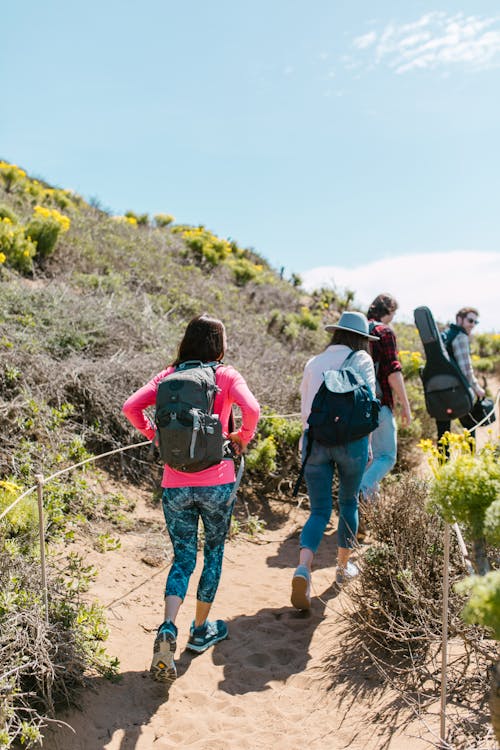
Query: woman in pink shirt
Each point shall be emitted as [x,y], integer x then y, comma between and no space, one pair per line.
[189,496]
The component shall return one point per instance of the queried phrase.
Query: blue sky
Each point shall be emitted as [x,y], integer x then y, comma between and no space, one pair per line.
[325,135]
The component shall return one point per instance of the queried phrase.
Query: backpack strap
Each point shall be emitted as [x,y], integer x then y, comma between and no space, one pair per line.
[190,363]
[232,496]
[302,468]
[449,336]
[346,360]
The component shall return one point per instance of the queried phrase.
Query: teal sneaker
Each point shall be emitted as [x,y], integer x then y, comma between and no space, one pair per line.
[206,635]
[301,588]
[163,665]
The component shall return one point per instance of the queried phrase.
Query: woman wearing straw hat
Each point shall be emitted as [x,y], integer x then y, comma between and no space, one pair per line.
[349,460]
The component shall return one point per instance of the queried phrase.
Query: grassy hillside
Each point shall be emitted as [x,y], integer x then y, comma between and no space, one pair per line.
[83,326]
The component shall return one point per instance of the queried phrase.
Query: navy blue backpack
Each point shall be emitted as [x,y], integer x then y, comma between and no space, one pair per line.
[342,410]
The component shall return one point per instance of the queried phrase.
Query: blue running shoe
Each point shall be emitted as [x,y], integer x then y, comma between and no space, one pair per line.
[206,635]
[301,588]
[163,665]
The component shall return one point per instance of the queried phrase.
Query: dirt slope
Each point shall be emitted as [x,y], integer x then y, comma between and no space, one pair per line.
[267,686]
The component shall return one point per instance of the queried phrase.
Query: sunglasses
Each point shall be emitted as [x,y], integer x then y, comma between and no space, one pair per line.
[473,321]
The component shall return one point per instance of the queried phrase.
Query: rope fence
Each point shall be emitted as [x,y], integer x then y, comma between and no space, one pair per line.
[41,480]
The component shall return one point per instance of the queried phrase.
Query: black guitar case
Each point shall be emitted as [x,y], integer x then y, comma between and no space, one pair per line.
[446,390]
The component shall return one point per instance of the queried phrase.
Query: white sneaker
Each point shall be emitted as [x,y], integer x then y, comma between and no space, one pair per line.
[347,573]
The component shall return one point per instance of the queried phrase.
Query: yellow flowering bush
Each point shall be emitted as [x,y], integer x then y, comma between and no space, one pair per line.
[7,213]
[486,344]
[244,270]
[466,484]
[137,219]
[411,362]
[207,246]
[24,516]
[52,213]
[131,220]
[11,174]
[35,190]
[16,249]
[211,251]
[44,229]
[163,220]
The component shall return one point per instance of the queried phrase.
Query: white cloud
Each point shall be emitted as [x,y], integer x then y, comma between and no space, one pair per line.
[364,41]
[445,282]
[436,40]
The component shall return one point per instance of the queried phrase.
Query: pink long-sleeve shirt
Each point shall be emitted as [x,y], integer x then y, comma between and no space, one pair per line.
[233,390]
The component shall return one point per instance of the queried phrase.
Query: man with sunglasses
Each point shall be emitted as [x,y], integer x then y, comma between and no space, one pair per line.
[457,343]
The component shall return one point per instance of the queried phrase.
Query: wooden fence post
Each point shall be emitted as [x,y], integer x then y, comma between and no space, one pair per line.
[444,638]
[41,531]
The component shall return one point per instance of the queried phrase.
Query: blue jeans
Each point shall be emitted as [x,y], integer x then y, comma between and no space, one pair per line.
[350,461]
[384,448]
[182,507]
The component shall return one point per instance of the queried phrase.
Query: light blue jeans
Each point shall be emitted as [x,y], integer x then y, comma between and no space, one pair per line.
[384,448]
[350,462]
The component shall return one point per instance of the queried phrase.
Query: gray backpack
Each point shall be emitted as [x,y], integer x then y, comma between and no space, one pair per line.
[188,434]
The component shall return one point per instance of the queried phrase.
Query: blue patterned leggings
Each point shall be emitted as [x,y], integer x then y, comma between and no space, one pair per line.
[183,507]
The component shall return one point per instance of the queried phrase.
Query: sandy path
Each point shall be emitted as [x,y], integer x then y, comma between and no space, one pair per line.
[267,686]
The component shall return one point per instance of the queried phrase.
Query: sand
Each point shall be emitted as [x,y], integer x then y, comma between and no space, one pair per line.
[268,685]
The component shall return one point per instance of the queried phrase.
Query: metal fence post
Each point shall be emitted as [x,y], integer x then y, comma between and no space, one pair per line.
[444,639]
[41,531]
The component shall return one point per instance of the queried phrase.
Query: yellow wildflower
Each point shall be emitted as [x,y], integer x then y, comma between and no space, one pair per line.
[52,213]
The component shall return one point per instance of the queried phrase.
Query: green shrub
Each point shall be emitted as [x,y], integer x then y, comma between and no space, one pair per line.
[483,607]
[486,344]
[466,485]
[408,337]
[44,233]
[283,430]
[45,664]
[163,220]
[11,175]
[263,456]
[290,325]
[243,270]
[7,213]
[492,523]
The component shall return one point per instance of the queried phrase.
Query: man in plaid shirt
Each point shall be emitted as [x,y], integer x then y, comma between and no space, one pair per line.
[390,387]
[458,347]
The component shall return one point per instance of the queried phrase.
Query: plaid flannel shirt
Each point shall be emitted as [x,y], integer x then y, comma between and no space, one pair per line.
[461,352]
[385,357]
